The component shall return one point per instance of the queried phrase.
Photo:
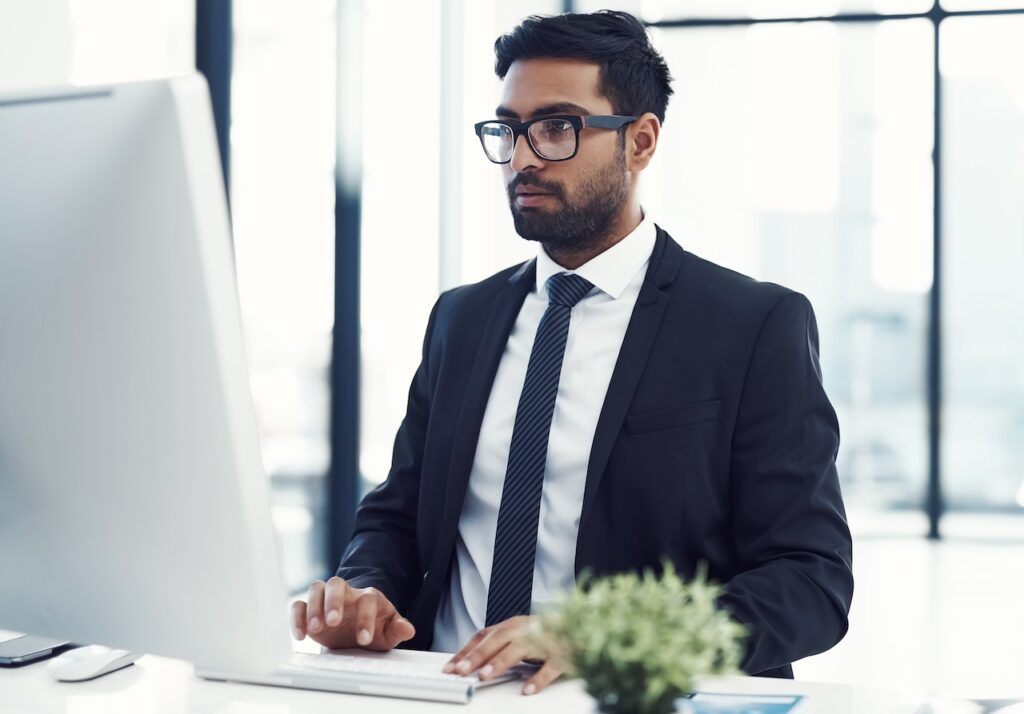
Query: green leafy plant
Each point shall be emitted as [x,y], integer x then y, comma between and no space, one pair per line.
[638,642]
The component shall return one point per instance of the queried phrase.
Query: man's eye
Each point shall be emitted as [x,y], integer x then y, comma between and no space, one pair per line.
[554,128]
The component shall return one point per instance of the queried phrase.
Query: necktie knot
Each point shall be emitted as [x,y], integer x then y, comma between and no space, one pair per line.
[567,289]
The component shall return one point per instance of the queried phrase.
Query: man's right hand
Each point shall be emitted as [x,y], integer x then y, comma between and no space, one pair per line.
[340,616]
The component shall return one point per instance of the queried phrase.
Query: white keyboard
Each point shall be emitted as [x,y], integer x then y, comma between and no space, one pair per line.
[381,666]
[385,676]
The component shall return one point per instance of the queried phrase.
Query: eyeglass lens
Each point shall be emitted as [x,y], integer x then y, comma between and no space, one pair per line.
[552,139]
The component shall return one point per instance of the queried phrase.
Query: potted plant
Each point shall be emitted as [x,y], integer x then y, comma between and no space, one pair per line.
[639,641]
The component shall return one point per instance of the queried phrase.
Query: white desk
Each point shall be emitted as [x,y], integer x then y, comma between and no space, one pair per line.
[157,685]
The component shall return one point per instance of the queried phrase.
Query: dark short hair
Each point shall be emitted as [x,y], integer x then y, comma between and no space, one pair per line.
[633,76]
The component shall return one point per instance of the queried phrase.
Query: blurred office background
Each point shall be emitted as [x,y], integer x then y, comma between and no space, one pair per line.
[795,151]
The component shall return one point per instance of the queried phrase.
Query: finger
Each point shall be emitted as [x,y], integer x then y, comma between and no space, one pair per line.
[334,601]
[299,619]
[544,676]
[466,649]
[315,608]
[385,610]
[366,615]
[489,646]
[398,629]
[500,663]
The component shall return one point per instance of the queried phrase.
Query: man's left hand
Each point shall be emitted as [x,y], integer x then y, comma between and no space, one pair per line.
[493,650]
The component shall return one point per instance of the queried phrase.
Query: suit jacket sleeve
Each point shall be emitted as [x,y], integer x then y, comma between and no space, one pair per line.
[795,581]
[383,550]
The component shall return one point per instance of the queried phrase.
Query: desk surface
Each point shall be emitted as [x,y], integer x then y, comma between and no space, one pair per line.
[157,685]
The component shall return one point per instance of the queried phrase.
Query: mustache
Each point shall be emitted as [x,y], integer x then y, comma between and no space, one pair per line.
[526,180]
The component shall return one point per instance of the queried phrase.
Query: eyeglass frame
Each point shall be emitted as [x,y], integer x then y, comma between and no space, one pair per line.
[522,128]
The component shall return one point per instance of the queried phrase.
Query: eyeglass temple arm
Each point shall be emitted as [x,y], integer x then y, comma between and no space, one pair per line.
[607,122]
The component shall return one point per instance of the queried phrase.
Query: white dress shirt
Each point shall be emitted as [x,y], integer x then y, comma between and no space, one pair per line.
[596,329]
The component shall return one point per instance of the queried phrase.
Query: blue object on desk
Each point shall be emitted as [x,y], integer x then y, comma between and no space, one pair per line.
[715,703]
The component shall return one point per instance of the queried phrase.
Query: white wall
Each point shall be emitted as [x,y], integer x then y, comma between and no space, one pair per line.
[35,43]
[82,42]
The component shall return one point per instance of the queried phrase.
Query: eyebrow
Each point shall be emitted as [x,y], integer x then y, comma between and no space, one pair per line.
[557,108]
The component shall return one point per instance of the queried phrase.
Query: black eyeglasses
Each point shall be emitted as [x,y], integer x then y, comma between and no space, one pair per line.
[554,138]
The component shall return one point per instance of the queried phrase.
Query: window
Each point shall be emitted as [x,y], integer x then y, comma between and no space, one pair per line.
[282,193]
[983,433]
[800,154]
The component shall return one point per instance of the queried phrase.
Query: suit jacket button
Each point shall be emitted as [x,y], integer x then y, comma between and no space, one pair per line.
[426,574]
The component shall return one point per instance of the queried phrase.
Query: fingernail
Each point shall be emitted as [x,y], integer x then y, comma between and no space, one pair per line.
[333,618]
[529,689]
[364,637]
[463,666]
[298,634]
[448,668]
[314,624]
[486,671]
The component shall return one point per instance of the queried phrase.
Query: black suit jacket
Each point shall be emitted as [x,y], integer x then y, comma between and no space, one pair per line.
[716,444]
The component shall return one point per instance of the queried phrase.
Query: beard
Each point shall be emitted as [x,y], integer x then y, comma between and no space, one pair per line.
[581,221]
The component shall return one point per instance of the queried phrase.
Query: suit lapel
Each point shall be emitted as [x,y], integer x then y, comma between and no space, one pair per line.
[636,347]
[478,390]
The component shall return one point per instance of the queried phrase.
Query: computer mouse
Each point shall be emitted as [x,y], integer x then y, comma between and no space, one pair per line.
[84,663]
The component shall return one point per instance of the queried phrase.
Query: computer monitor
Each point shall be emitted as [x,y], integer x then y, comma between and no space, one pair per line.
[134,510]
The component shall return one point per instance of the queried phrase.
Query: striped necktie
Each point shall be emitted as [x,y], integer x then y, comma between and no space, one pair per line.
[515,544]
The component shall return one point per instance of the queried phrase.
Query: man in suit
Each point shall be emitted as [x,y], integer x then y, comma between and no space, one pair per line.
[611,403]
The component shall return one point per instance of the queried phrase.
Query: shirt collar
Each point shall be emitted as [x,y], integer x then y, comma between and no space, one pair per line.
[612,270]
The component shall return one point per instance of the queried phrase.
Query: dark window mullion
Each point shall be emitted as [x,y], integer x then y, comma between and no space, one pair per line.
[213,61]
[933,500]
[343,474]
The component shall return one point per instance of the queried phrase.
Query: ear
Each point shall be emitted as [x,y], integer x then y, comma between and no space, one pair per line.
[641,141]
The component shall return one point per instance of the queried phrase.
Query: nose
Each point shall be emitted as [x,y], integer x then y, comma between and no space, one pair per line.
[523,156]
